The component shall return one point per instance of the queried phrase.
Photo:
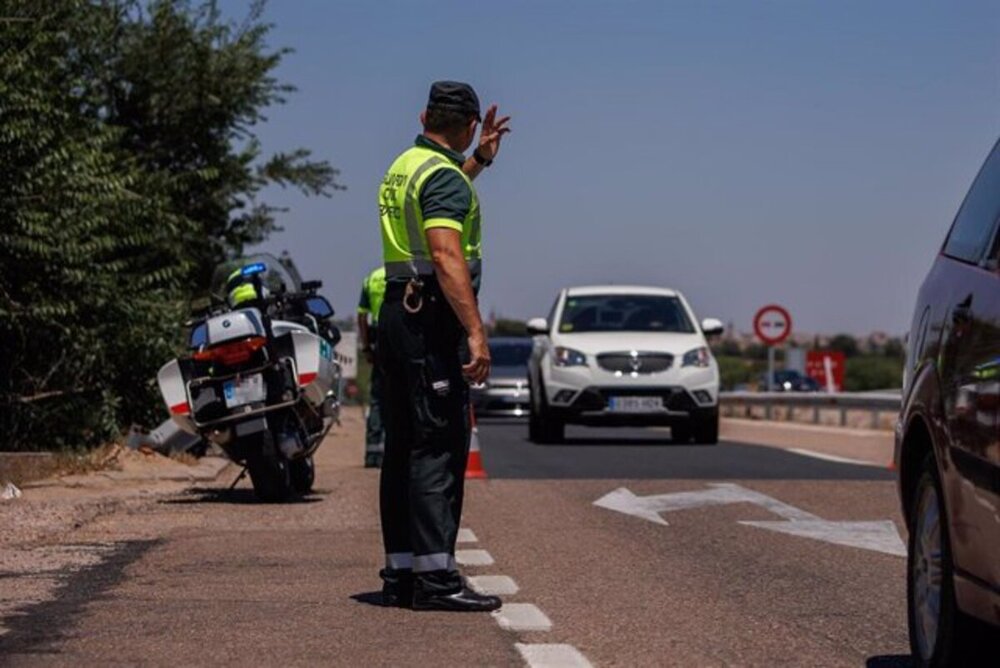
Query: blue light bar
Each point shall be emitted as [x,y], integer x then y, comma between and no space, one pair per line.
[251,269]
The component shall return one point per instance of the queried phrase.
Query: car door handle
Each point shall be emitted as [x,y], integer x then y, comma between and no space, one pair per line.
[962,312]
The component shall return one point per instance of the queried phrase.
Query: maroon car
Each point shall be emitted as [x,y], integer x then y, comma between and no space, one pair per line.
[948,440]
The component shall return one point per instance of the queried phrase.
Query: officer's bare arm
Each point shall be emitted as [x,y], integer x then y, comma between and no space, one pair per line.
[445,246]
[472,168]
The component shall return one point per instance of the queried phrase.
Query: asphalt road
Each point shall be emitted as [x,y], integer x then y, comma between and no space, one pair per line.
[705,589]
[712,577]
[648,453]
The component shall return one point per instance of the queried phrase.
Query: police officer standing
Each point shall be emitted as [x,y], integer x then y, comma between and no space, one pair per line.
[429,326]
[369,305]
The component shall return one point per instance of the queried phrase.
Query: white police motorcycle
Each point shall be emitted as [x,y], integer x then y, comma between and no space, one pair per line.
[261,380]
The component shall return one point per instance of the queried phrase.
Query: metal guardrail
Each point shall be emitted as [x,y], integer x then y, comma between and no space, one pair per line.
[874,402]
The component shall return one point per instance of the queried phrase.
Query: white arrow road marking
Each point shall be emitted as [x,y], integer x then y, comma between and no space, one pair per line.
[552,656]
[878,536]
[650,507]
[875,536]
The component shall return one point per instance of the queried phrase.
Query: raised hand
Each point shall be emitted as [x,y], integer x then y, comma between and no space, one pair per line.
[491,133]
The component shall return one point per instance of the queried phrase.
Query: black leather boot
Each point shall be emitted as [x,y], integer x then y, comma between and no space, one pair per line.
[397,588]
[464,600]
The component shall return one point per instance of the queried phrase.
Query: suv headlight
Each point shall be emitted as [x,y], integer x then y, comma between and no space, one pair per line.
[569,357]
[699,357]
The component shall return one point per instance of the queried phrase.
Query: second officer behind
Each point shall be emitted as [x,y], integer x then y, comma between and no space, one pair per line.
[431,238]
[369,305]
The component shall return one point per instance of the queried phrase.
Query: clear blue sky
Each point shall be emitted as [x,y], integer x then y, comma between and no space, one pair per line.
[807,153]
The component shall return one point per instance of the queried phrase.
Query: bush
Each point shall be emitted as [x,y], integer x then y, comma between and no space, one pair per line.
[865,373]
[128,168]
[735,371]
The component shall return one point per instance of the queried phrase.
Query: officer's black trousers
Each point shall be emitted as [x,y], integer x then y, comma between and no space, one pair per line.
[425,411]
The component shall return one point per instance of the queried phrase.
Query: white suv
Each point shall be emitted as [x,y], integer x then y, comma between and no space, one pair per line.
[623,355]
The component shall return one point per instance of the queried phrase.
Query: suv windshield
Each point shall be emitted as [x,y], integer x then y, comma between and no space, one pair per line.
[625,313]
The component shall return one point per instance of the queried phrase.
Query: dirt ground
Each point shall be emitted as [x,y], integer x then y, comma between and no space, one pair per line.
[37,548]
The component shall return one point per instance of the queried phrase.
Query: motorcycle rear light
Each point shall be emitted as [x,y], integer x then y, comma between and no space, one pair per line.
[232,352]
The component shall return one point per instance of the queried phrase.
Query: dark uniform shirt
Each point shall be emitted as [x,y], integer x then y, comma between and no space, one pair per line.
[445,194]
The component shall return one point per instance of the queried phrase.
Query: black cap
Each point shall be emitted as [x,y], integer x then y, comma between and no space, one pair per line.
[454,96]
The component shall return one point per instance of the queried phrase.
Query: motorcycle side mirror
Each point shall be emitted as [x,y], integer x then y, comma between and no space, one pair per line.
[319,307]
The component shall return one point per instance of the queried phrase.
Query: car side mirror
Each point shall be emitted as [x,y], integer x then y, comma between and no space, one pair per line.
[712,327]
[538,327]
[319,307]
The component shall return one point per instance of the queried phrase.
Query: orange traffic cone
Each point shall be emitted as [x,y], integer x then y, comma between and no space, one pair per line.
[474,467]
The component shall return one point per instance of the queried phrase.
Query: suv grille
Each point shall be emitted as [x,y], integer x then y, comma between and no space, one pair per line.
[635,362]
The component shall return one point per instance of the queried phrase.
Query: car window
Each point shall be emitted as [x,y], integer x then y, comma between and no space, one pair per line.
[624,313]
[973,226]
[510,354]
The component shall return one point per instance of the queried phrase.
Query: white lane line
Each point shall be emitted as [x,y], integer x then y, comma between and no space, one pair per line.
[552,656]
[493,585]
[466,536]
[832,458]
[522,617]
[473,558]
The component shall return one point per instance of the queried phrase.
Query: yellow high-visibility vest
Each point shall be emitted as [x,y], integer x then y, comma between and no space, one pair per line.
[404,239]
[373,288]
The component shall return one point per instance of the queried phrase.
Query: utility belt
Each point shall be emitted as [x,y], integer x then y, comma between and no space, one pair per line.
[415,293]
[420,291]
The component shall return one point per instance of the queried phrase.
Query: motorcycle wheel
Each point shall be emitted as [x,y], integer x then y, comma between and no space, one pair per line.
[303,474]
[271,478]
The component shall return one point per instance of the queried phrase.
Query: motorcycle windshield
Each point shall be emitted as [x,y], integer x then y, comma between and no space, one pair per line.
[278,276]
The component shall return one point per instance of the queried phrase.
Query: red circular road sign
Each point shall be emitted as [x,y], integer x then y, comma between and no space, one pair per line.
[772,324]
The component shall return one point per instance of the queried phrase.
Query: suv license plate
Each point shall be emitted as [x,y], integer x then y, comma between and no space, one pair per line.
[245,390]
[635,404]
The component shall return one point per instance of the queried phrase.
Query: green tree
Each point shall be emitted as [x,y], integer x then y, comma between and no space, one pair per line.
[728,347]
[187,89]
[864,373]
[844,343]
[128,168]
[735,371]
[894,348]
[90,271]
[509,327]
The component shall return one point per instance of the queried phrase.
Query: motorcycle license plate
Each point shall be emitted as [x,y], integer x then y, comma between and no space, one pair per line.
[635,404]
[245,390]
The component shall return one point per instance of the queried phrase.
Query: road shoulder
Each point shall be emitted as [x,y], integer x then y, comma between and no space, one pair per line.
[865,445]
